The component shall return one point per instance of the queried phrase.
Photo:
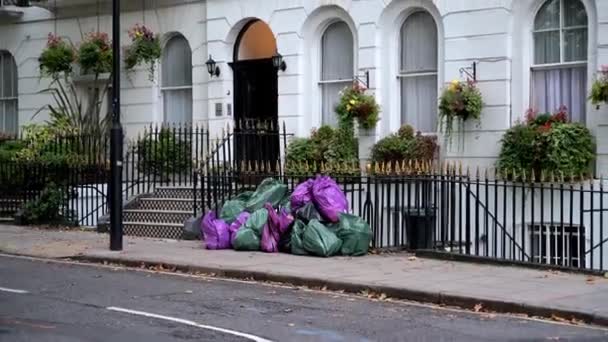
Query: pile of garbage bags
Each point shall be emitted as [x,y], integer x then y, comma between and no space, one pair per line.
[313,220]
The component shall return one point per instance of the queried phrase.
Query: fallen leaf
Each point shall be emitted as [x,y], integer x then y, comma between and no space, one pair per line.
[291,325]
[382,296]
[559,319]
[287,310]
[189,292]
[590,280]
[412,258]
[478,307]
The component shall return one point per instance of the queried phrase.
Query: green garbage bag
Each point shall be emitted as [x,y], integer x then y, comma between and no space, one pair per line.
[246,240]
[256,221]
[320,240]
[270,191]
[243,196]
[296,244]
[308,213]
[355,234]
[231,210]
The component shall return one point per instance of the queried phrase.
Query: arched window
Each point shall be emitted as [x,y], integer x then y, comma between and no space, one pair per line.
[418,72]
[9,112]
[559,72]
[177,80]
[337,67]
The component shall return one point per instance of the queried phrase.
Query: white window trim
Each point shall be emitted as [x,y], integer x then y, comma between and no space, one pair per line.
[160,115]
[561,28]
[524,15]
[390,23]
[403,74]
[320,81]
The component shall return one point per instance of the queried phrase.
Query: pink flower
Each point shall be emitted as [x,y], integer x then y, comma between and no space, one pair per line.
[531,115]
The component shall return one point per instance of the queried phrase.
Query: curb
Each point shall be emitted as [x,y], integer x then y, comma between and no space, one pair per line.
[438,298]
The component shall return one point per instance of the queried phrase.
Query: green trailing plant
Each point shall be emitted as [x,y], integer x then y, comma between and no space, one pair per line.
[145,48]
[599,89]
[405,145]
[356,104]
[547,144]
[57,58]
[164,153]
[95,54]
[459,102]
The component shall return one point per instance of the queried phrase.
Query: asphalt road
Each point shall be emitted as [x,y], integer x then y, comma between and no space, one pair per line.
[42,301]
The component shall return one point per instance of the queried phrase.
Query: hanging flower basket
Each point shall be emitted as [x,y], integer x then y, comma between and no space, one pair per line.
[57,57]
[95,54]
[459,102]
[144,49]
[355,104]
[599,90]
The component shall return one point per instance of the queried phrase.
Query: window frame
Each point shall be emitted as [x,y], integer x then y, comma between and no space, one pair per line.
[402,74]
[321,82]
[14,89]
[561,28]
[166,89]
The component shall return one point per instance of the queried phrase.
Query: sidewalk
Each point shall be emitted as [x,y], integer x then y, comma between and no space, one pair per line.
[496,288]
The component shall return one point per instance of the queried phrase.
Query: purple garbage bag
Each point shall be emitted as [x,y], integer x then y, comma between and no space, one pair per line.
[328,198]
[278,224]
[302,195]
[238,223]
[215,232]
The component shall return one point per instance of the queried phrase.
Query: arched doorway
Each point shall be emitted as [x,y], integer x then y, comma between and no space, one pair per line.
[255,94]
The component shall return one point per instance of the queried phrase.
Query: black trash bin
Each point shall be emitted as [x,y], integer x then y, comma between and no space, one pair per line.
[420,228]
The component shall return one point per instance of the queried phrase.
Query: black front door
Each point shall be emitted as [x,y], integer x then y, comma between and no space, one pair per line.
[256,111]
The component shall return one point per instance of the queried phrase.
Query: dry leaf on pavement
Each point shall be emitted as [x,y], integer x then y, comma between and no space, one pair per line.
[478,307]
[412,258]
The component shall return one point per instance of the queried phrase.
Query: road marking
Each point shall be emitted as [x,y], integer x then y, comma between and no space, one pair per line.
[4,289]
[190,323]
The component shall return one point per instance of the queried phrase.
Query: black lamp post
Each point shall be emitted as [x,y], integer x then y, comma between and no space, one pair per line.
[116,138]
[278,62]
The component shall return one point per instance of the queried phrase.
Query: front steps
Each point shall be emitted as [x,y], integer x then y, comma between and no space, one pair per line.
[166,213]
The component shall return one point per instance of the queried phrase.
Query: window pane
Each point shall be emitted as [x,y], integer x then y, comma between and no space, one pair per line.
[337,53]
[11,116]
[9,75]
[575,45]
[546,47]
[561,86]
[178,106]
[177,63]
[548,16]
[574,13]
[419,102]
[331,96]
[419,43]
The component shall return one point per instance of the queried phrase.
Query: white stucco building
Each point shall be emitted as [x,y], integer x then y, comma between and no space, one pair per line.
[529,53]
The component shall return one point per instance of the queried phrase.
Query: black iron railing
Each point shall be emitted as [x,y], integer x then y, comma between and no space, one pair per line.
[532,221]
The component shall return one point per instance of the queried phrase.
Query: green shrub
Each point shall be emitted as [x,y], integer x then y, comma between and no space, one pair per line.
[405,146]
[326,146]
[49,208]
[165,155]
[547,144]
[9,149]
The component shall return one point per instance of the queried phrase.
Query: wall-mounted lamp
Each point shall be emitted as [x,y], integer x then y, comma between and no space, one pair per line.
[212,67]
[278,62]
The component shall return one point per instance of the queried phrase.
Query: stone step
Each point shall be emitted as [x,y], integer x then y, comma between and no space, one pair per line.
[154,230]
[156,203]
[157,216]
[175,192]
